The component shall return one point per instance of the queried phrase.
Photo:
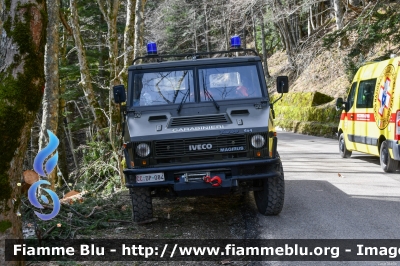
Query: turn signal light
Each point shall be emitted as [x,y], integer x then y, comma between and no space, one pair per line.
[258,154]
[144,162]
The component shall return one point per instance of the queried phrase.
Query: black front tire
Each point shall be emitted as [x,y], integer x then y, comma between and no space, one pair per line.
[344,152]
[142,206]
[270,199]
[387,163]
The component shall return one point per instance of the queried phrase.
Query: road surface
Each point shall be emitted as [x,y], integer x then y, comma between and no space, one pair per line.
[328,197]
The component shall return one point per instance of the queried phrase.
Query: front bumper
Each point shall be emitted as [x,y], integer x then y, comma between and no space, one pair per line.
[238,172]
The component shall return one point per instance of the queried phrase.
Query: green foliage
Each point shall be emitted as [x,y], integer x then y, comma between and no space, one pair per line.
[351,67]
[303,99]
[307,112]
[4,225]
[92,212]
[378,25]
[100,167]
[272,38]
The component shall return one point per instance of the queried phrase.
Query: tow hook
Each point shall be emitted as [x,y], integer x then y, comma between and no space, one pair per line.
[215,181]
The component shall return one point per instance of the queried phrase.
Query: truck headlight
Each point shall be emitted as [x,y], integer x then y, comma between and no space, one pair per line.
[257,141]
[143,149]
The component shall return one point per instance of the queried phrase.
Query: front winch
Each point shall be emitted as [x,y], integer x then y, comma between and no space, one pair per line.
[214,181]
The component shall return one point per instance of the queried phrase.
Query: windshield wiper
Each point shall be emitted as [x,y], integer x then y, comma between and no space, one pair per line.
[208,94]
[211,98]
[184,99]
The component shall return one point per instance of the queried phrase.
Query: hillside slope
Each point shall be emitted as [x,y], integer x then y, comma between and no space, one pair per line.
[369,37]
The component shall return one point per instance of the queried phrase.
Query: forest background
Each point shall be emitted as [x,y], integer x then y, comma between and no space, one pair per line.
[59,60]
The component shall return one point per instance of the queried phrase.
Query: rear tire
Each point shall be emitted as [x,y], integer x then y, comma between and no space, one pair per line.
[270,200]
[387,163]
[344,152]
[142,206]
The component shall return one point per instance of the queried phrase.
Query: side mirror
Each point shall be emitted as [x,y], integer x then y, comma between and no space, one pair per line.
[282,84]
[339,104]
[119,94]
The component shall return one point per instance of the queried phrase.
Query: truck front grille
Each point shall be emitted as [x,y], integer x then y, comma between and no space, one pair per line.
[200,148]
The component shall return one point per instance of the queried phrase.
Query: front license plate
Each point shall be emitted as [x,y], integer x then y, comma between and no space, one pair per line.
[147,178]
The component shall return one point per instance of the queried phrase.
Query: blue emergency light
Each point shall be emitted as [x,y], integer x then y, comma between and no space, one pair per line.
[151,48]
[235,42]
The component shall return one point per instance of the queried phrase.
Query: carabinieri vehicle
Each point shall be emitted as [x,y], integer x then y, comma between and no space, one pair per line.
[200,126]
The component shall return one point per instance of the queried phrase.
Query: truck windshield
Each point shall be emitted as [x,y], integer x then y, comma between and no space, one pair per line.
[163,87]
[223,83]
[215,84]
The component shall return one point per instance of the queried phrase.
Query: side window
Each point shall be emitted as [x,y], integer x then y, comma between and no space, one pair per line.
[365,95]
[352,93]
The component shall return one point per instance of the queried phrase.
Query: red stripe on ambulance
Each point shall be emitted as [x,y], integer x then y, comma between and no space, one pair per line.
[367,117]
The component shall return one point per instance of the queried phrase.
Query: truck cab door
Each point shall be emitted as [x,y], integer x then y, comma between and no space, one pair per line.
[365,138]
[349,118]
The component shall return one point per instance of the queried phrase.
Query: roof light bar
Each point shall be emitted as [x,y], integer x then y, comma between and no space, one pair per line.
[151,48]
[235,42]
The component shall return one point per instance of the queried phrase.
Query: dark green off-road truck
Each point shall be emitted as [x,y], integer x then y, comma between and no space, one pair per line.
[201,125]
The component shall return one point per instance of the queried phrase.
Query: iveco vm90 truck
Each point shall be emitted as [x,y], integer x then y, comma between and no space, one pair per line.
[201,125]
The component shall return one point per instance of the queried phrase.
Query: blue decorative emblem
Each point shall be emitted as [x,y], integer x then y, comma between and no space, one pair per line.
[38,167]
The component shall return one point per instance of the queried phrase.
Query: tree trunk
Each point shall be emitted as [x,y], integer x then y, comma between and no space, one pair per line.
[254,30]
[244,32]
[62,152]
[86,81]
[206,27]
[1,21]
[194,32]
[109,9]
[338,7]
[51,90]
[141,25]
[21,90]
[101,67]
[264,49]
[286,36]
[138,22]
[128,39]
[311,19]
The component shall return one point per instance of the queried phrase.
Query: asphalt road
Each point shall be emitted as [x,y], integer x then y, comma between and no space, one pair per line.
[361,203]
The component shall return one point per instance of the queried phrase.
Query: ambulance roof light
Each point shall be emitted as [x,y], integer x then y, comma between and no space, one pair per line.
[235,42]
[151,48]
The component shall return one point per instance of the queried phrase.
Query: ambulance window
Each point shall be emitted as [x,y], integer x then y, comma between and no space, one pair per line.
[352,93]
[365,95]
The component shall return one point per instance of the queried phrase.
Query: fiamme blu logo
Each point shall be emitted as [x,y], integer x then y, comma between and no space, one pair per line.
[38,165]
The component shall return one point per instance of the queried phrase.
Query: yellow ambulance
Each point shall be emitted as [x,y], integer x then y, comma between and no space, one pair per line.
[370,120]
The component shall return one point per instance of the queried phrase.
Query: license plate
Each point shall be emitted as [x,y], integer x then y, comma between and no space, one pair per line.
[147,178]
